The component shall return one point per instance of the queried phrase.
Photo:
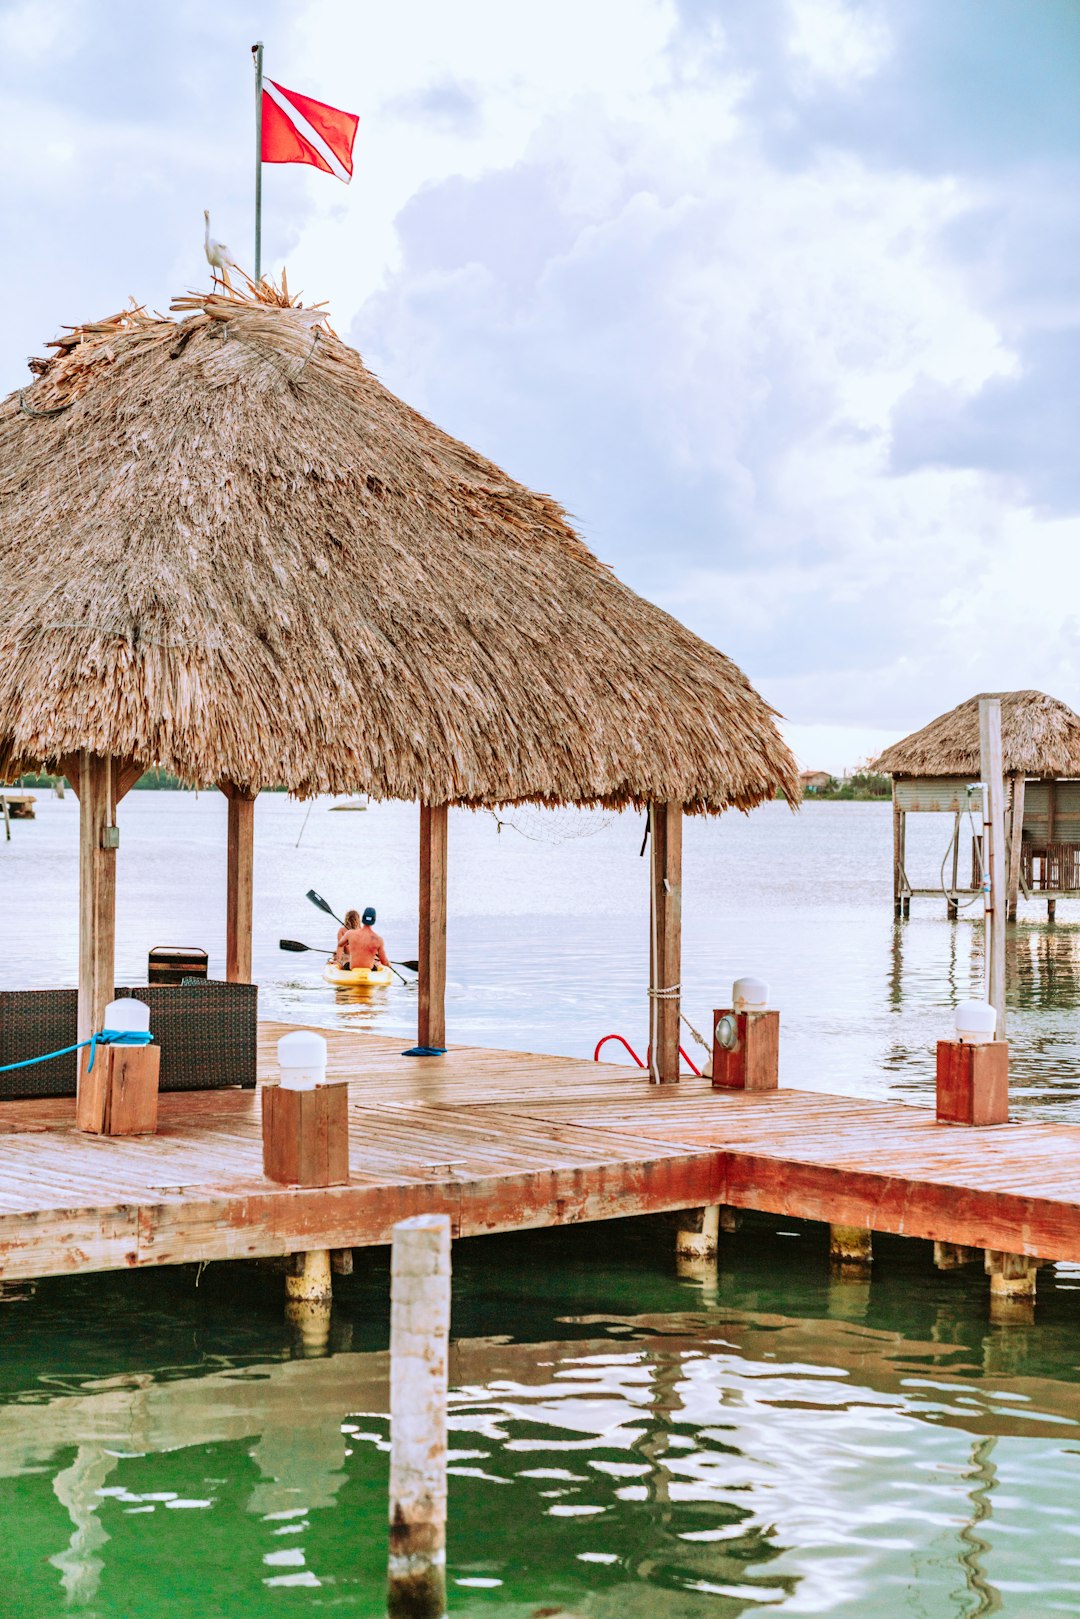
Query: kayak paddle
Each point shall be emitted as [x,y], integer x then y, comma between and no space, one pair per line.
[317,899]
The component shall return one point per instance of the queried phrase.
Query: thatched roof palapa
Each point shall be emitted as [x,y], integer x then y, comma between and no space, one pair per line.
[1040,737]
[228,550]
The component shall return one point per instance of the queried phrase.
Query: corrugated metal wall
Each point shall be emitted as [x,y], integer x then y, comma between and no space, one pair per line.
[933,793]
[1064,798]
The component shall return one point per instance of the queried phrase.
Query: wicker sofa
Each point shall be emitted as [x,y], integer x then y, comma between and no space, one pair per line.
[207,1032]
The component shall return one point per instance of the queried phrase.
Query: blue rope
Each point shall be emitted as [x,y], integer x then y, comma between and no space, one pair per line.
[425,1051]
[107,1037]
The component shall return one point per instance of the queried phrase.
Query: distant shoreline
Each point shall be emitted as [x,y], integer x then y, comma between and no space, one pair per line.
[151,781]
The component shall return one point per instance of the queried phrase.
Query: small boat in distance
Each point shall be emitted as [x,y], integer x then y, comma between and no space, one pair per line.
[358,803]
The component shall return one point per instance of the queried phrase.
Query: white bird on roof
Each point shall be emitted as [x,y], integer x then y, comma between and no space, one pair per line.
[217,254]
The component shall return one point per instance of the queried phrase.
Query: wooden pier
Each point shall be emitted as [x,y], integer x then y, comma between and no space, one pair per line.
[503,1140]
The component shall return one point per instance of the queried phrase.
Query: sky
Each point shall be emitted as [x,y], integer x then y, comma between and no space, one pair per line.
[780,298]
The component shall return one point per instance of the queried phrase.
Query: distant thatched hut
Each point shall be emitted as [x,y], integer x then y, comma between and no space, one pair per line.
[933,768]
[226,549]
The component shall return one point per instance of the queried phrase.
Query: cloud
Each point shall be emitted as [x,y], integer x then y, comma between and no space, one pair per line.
[446,104]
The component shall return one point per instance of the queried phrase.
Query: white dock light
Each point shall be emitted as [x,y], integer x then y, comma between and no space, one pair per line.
[749,995]
[976,1023]
[301,1060]
[127,1016]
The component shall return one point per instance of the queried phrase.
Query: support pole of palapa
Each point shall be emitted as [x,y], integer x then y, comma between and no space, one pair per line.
[994,863]
[431,979]
[419,1347]
[239,882]
[665,953]
[98,840]
[1016,839]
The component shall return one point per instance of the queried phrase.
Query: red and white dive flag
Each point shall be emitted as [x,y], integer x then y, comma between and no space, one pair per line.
[296,129]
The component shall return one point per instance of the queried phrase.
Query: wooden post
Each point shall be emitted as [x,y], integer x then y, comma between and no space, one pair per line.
[431,979]
[951,1255]
[309,1299]
[238,883]
[665,954]
[698,1234]
[97,890]
[994,853]
[419,1343]
[1016,836]
[1012,1281]
[953,907]
[901,904]
[850,1245]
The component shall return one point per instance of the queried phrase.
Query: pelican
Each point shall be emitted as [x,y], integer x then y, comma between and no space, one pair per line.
[217,254]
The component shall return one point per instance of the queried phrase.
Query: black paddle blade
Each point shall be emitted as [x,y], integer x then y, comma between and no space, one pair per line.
[317,899]
[413,966]
[293,944]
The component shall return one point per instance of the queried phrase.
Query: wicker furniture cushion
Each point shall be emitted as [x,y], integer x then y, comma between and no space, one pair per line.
[207,1032]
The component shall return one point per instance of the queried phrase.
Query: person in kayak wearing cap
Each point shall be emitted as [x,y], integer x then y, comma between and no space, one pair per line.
[358,943]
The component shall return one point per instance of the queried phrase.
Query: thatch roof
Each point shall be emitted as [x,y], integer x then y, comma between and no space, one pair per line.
[228,550]
[1040,737]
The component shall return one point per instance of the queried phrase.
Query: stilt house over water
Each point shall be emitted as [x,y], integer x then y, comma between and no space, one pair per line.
[933,768]
[228,550]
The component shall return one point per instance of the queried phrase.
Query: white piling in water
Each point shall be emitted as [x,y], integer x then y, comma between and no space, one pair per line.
[419,1343]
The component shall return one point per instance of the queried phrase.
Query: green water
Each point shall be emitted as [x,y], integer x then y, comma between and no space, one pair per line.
[626,1440]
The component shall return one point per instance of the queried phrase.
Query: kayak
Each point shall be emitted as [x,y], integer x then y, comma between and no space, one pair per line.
[356,977]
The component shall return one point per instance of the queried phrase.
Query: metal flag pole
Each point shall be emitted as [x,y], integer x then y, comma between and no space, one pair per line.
[257,53]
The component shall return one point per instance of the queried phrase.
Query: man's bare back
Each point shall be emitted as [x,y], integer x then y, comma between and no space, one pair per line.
[362,947]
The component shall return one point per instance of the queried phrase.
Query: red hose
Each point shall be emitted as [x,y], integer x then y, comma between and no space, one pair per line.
[622,1041]
[690,1063]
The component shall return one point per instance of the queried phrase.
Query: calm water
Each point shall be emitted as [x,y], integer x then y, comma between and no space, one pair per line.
[628,1441]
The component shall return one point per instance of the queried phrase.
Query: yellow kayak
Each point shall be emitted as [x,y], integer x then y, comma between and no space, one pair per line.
[356,977]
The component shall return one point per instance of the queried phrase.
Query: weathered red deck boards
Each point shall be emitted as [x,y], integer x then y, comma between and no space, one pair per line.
[508,1140]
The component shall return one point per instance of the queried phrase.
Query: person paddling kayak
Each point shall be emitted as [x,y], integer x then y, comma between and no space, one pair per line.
[358,943]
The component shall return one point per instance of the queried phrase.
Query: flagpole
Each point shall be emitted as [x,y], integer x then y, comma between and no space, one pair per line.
[257,53]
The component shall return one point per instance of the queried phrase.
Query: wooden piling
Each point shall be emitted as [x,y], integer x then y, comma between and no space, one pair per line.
[900,902]
[1015,840]
[952,909]
[419,1343]
[309,1298]
[698,1233]
[308,1281]
[1012,1276]
[850,1245]
[951,1255]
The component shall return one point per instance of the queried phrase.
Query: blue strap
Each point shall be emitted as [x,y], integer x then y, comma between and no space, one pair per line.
[425,1051]
[110,1037]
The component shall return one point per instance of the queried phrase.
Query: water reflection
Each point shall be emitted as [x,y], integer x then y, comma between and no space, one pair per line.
[752,1432]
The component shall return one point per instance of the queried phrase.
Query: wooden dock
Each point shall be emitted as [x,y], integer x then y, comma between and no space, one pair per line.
[503,1140]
